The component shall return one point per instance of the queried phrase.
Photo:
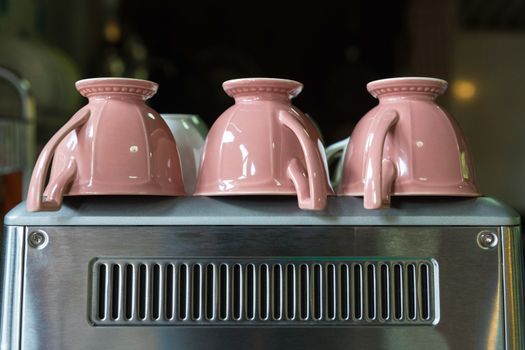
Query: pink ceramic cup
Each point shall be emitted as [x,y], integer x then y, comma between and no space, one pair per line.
[264,145]
[115,145]
[407,145]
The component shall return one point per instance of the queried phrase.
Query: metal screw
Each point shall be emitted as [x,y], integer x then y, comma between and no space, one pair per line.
[38,239]
[487,239]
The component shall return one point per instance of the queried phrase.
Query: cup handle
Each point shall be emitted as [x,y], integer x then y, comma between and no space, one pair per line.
[35,195]
[379,174]
[310,186]
[334,152]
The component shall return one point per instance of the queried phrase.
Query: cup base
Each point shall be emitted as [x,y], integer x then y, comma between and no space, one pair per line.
[126,192]
[284,192]
[418,194]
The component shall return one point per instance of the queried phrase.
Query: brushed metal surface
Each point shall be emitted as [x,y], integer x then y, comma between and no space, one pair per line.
[12,274]
[474,303]
[513,280]
[262,210]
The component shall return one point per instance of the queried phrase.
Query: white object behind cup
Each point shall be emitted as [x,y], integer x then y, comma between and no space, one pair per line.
[187,129]
[336,153]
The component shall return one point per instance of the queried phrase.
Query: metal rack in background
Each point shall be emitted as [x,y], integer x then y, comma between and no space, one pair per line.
[18,133]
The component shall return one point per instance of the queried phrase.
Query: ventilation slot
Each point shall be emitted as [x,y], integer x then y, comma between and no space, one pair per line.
[371,291]
[385,291]
[251,291]
[317,292]
[156,292]
[224,285]
[331,291]
[183,292]
[425,292]
[237,291]
[130,292]
[344,286]
[398,291]
[277,292]
[358,292]
[304,293]
[211,291]
[116,293]
[197,292]
[291,292]
[102,291]
[170,288]
[411,289]
[264,291]
[143,291]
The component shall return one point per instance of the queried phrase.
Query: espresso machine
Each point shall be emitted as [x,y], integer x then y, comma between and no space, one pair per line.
[259,273]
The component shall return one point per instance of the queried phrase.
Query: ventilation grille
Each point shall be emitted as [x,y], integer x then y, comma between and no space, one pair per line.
[267,291]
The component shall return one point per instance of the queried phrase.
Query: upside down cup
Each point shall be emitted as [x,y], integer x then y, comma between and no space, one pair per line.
[407,146]
[263,145]
[115,145]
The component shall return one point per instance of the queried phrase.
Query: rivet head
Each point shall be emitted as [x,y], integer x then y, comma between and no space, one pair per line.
[487,239]
[38,239]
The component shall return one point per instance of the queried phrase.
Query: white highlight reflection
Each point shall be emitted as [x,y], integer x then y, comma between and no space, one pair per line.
[228,137]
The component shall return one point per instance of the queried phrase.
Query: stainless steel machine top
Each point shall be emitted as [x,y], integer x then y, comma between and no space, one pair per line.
[266,210]
[231,273]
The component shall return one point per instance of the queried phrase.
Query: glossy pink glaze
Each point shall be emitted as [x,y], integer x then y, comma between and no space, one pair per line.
[264,145]
[407,145]
[115,144]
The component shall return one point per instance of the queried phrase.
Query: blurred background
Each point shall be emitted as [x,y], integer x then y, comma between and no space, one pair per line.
[333,48]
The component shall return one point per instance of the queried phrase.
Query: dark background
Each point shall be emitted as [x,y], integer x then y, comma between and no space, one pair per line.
[328,47]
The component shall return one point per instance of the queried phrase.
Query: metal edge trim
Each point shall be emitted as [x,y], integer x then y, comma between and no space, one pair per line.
[13,261]
[511,251]
[263,221]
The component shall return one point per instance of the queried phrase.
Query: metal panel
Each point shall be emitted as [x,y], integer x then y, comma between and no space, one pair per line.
[56,313]
[12,272]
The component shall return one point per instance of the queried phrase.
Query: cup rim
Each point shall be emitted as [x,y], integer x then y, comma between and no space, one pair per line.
[116,85]
[418,85]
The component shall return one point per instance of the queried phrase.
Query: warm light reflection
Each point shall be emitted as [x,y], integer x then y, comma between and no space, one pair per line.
[463,89]
[464,166]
